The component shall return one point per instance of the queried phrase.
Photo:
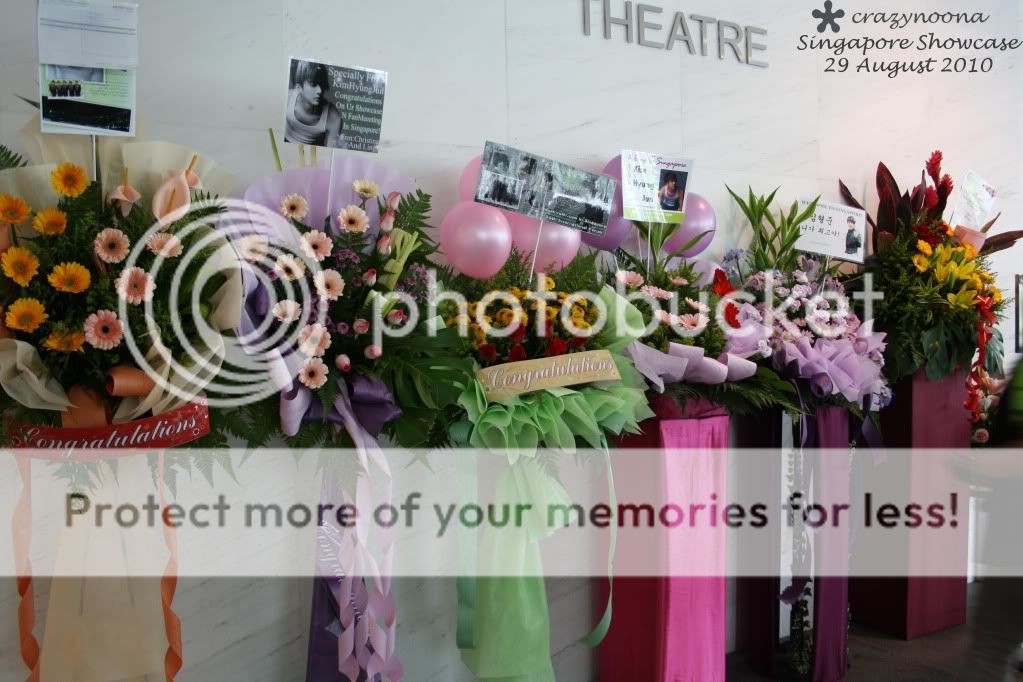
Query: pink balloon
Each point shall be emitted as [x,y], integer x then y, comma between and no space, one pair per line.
[705,269]
[618,228]
[700,218]
[476,239]
[470,179]
[558,244]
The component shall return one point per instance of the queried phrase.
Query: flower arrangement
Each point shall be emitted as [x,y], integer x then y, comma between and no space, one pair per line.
[800,320]
[343,292]
[82,274]
[687,319]
[941,304]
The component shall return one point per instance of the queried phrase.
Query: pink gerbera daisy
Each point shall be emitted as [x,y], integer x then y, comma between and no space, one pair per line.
[657,293]
[135,286]
[289,267]
[294,207]
[314,340]
[111,245]
[317,245]
[629,278]
[697,305]
[163,244]
[313,374]
[253,247]
[693,321]
[287,311]
[329,284]
[353,219]
[103,330]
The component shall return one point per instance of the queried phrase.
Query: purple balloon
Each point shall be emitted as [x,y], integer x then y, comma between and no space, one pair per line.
[558,244]
[618,228]
[700,218]
[470,179]
[705,269]
[476,239]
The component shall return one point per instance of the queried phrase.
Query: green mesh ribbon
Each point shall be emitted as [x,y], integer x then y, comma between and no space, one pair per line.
[503,622]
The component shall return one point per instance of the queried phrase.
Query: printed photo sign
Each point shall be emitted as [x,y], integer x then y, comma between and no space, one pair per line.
[976,204]
[546,190]
[834,230]
[340,107]
[654,187]
[517,378]
[88,56]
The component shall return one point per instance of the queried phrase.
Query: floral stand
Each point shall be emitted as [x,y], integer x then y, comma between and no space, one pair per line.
[924,414]
[673,628]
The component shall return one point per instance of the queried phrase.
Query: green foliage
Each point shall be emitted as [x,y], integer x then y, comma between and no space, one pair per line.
[774,243]
[413,216]
[764,390]
[8,159]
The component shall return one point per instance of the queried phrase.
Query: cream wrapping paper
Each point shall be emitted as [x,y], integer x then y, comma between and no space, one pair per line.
[112,628]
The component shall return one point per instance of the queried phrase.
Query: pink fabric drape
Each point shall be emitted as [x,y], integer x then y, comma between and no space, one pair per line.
[672,629]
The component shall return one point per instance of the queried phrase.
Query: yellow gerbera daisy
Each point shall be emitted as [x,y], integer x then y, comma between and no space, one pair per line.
[65,342]
[25,315]
[50,221]
[924,248]
[922,262]
[13,210]
[71,278]
[19,264]
[69,179]
[367,189]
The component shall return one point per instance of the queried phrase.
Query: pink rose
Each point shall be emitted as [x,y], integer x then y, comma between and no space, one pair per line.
[396,316]
[361,326]
[384,245]
[373,352]
[981,436]
[343,363]
[387,222]
[393,199]
[369,278]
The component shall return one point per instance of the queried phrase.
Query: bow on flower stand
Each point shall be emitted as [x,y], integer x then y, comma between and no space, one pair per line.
[940,312]
[81,278]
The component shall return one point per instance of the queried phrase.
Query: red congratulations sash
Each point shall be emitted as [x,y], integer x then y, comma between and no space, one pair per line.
[170,429]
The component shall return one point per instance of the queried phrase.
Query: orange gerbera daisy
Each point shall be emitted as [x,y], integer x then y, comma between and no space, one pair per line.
[65,342]
[50,221]
[25,315]
[19,264]
[13,210]
[71,278]
[69,179]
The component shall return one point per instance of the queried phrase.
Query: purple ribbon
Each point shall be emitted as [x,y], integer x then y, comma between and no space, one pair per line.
[361,609]
[687,364]
[363,406]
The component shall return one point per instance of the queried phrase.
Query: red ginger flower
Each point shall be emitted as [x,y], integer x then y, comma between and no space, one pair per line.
[732,316]
[722,286]
[945,187]
[934,166]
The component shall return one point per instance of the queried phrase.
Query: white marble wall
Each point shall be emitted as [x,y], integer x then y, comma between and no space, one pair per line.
[522,72]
